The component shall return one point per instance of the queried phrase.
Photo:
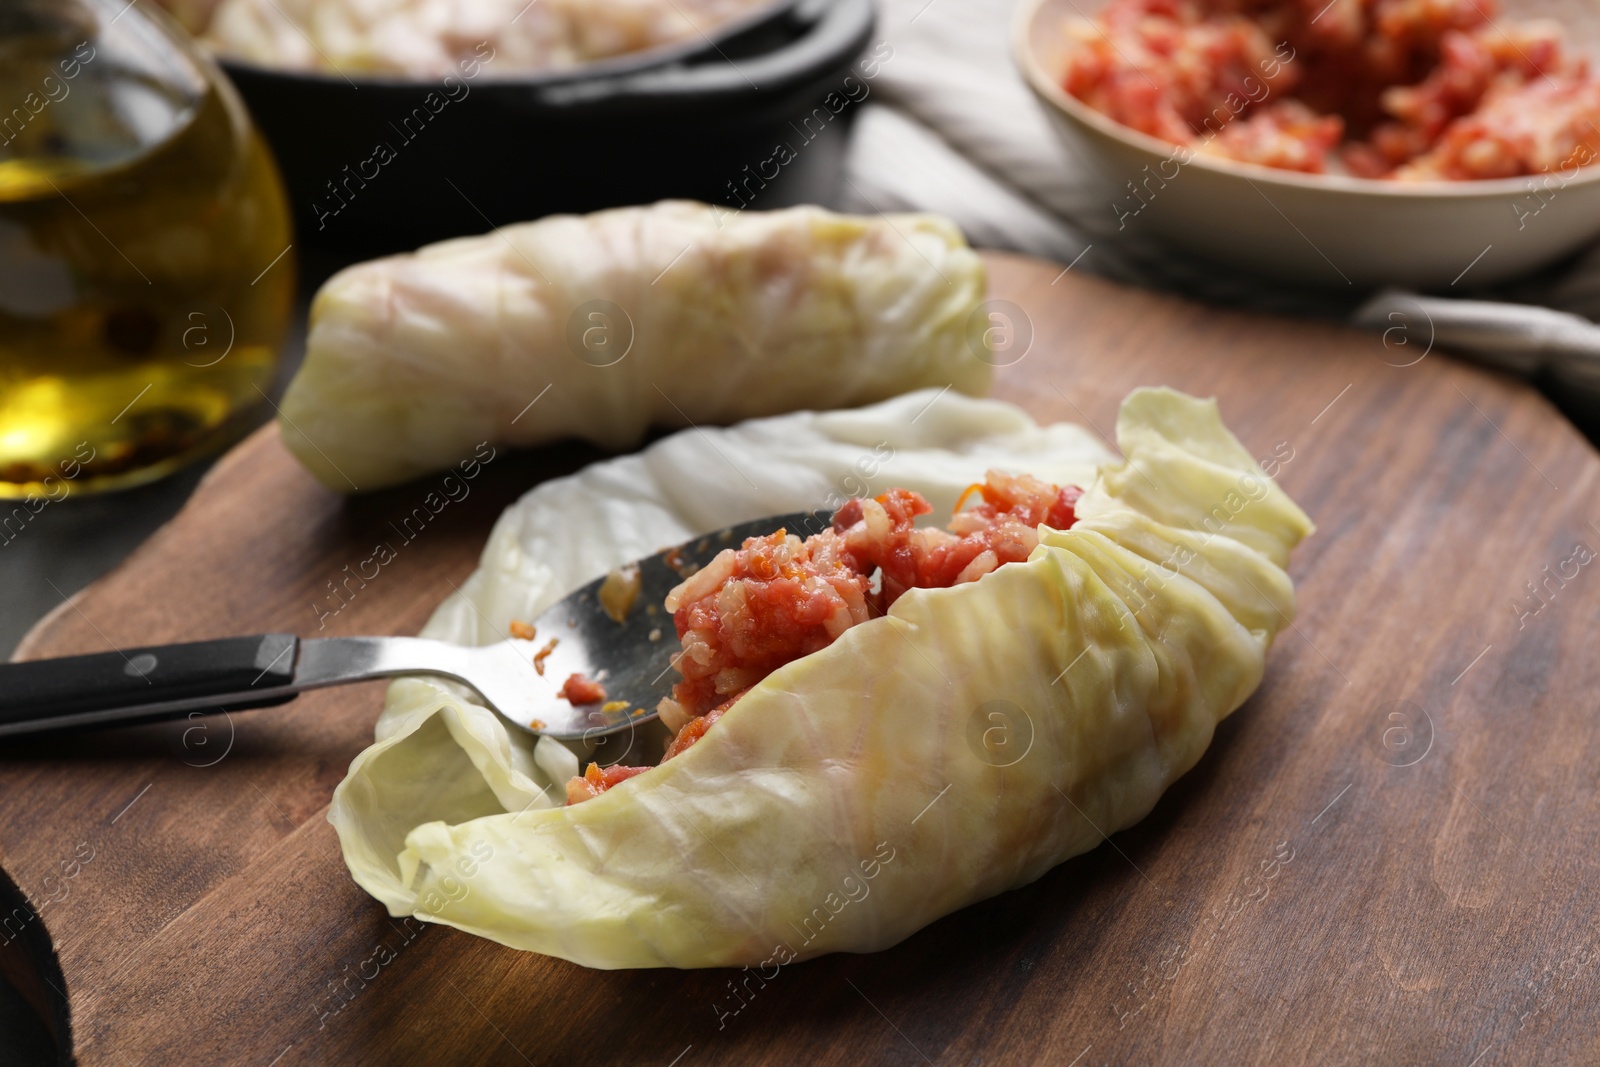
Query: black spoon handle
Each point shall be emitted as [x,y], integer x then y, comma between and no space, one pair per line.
[146,684]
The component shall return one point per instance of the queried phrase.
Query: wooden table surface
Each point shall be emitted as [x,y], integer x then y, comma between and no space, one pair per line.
[1389,854]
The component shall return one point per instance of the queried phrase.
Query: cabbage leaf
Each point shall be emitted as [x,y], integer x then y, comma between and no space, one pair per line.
[601,326]
[960,746]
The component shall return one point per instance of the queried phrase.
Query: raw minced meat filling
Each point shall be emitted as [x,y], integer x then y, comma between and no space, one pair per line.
[1402,89]
[777,598]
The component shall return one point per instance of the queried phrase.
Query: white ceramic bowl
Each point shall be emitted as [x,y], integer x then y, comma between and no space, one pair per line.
[1318,230]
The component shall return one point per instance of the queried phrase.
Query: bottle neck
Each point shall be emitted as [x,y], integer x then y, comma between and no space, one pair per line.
[87,86]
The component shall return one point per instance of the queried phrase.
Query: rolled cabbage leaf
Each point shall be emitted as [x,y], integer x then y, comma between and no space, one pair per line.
[960,746]
[600,326]
[445,38]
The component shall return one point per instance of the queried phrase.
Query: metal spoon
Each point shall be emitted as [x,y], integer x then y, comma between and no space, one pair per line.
[628,651]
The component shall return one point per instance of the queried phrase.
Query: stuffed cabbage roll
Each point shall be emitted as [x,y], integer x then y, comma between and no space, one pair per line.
[435,38]
[960,745]
[600,326]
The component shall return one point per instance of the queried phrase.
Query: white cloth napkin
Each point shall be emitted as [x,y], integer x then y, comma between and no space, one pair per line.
[949,126]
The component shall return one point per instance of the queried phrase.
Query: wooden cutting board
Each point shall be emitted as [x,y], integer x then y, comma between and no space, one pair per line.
[1388,855]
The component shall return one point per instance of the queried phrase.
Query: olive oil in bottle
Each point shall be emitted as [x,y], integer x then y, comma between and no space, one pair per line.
[145,271]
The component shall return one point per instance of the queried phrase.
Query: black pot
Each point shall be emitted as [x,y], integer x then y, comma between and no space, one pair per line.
[376,165]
